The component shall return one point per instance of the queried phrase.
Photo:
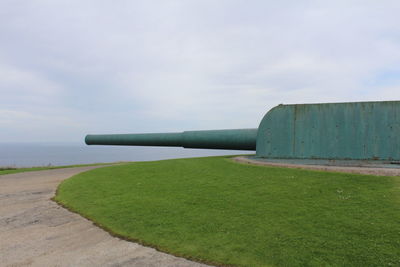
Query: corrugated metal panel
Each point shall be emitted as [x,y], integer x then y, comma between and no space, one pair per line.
[361,130]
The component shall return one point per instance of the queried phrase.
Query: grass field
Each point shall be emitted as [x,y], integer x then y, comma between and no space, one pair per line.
[216,211]
[10,170]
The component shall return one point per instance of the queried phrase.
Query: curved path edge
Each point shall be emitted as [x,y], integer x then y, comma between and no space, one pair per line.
[36,231]
[358,170]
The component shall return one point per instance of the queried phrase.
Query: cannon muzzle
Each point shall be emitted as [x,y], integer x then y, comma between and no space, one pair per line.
[236,139]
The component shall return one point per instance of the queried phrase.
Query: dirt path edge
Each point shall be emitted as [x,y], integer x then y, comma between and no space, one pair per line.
[36,231]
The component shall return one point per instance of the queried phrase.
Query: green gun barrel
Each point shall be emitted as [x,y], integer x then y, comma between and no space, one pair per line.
[236,139]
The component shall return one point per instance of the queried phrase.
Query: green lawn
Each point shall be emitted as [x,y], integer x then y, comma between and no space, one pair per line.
[10,170]
[217,211]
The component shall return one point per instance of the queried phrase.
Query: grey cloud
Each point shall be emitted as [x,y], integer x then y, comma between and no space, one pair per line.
[176,65]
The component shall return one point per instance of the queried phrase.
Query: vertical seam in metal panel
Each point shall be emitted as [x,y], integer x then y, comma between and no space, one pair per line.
[294,130]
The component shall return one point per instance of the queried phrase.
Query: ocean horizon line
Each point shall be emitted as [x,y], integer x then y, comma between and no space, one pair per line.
[41,154]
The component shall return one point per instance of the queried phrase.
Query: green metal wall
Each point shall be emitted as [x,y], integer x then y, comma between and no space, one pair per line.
[361,130]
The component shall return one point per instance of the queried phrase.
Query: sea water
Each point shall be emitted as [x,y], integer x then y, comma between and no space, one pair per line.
[57,154]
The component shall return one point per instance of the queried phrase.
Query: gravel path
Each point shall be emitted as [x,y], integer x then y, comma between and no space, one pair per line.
[35,231]
[360,170]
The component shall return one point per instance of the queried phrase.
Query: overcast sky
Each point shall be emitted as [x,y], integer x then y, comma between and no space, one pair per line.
[68,68]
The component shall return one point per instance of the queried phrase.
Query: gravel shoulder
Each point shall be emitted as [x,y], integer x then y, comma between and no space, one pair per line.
[359,170]
[35,231]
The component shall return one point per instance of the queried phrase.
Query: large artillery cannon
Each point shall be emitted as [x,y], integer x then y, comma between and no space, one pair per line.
[358,130]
